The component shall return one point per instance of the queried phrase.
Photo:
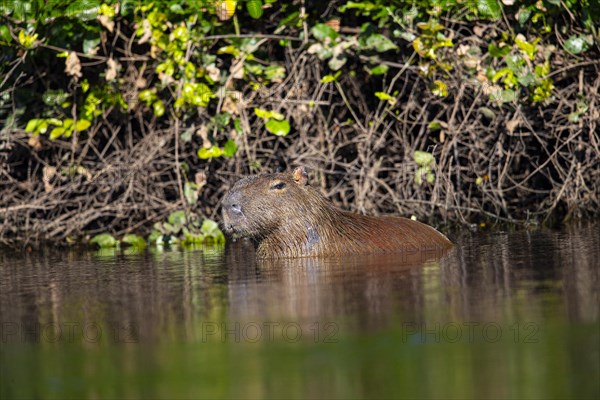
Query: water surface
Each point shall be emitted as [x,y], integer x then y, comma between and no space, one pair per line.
[503,315]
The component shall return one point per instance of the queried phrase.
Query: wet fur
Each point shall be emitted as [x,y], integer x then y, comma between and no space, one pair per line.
[297,221]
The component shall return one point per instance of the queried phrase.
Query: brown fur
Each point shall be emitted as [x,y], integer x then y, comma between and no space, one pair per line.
[290,218]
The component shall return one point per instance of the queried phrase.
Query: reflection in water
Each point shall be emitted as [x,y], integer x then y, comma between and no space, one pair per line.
[501,315]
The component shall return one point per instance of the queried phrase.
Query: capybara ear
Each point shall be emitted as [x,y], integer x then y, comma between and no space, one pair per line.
[300,176]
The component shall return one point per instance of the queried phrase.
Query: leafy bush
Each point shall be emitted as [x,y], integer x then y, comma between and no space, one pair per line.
[170,89]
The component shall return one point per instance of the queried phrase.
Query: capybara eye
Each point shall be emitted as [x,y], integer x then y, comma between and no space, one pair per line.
[278,186]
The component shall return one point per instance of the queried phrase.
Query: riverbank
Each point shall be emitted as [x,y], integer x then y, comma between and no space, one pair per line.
[455,116]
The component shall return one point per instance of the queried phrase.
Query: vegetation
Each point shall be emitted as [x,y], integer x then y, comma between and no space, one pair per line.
[119,114]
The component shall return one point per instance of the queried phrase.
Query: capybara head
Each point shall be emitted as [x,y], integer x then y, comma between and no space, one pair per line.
[260,205]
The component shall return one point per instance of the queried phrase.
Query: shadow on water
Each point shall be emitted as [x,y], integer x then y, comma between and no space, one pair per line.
[502,315]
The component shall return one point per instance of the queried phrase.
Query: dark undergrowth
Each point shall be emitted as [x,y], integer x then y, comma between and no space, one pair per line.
[115,120]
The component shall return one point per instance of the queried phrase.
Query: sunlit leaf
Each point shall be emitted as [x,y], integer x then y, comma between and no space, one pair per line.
[158,108]
[489,8]
[498,52]
[261,113]
[379,70]
[435,125]
[225,9]
[5,34]
[90,44]
[488,113]
[380,43]
[230,148]
[439,88]
[177,218]
[190,191]
[104,240]
[331,78]
[57,132]
[324,31]
[36,126]
[279,128]
[147,96]
[154,236]
[134,240]
[82,125]
[384,96]
[254,8]
[576,45]
[211,152]
[337,62]
[423,158]
[209,226]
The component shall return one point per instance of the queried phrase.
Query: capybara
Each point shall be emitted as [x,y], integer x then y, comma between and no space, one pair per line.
[289,218]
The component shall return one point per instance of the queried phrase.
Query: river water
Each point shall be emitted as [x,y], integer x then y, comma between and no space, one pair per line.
[503,315]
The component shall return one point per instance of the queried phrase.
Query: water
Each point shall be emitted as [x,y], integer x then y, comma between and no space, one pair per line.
[503,315]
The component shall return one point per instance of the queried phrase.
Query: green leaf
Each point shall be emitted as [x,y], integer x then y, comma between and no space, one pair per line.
[212,232]
[323,31]
[429,177]
[186,136]
[331,78]
[154,236]
[27,40]
[209,226]
[90,44]
[177,219]
[36,126]
[105,240]
[384,96]
[190,191]
[489,8]
[211,152]
[576,45]
[439,88]
[134,240]
[229,50]
[435,126]
[380,43]
[419,175]
[238,126]
[274,72]
[181,33]
[488,113]
[279,128]
[337,62]
[261,113]
[68,124]
[379,70]
[498,52]
[148,96]
[528,48]
[527,80]
[423,158]
[202,95]
[254,8]
[500,74]
[523,15]
[230,148]
[158,108]
[505,96]
[221,120]
[82,125]
[57,132]
[5,34]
